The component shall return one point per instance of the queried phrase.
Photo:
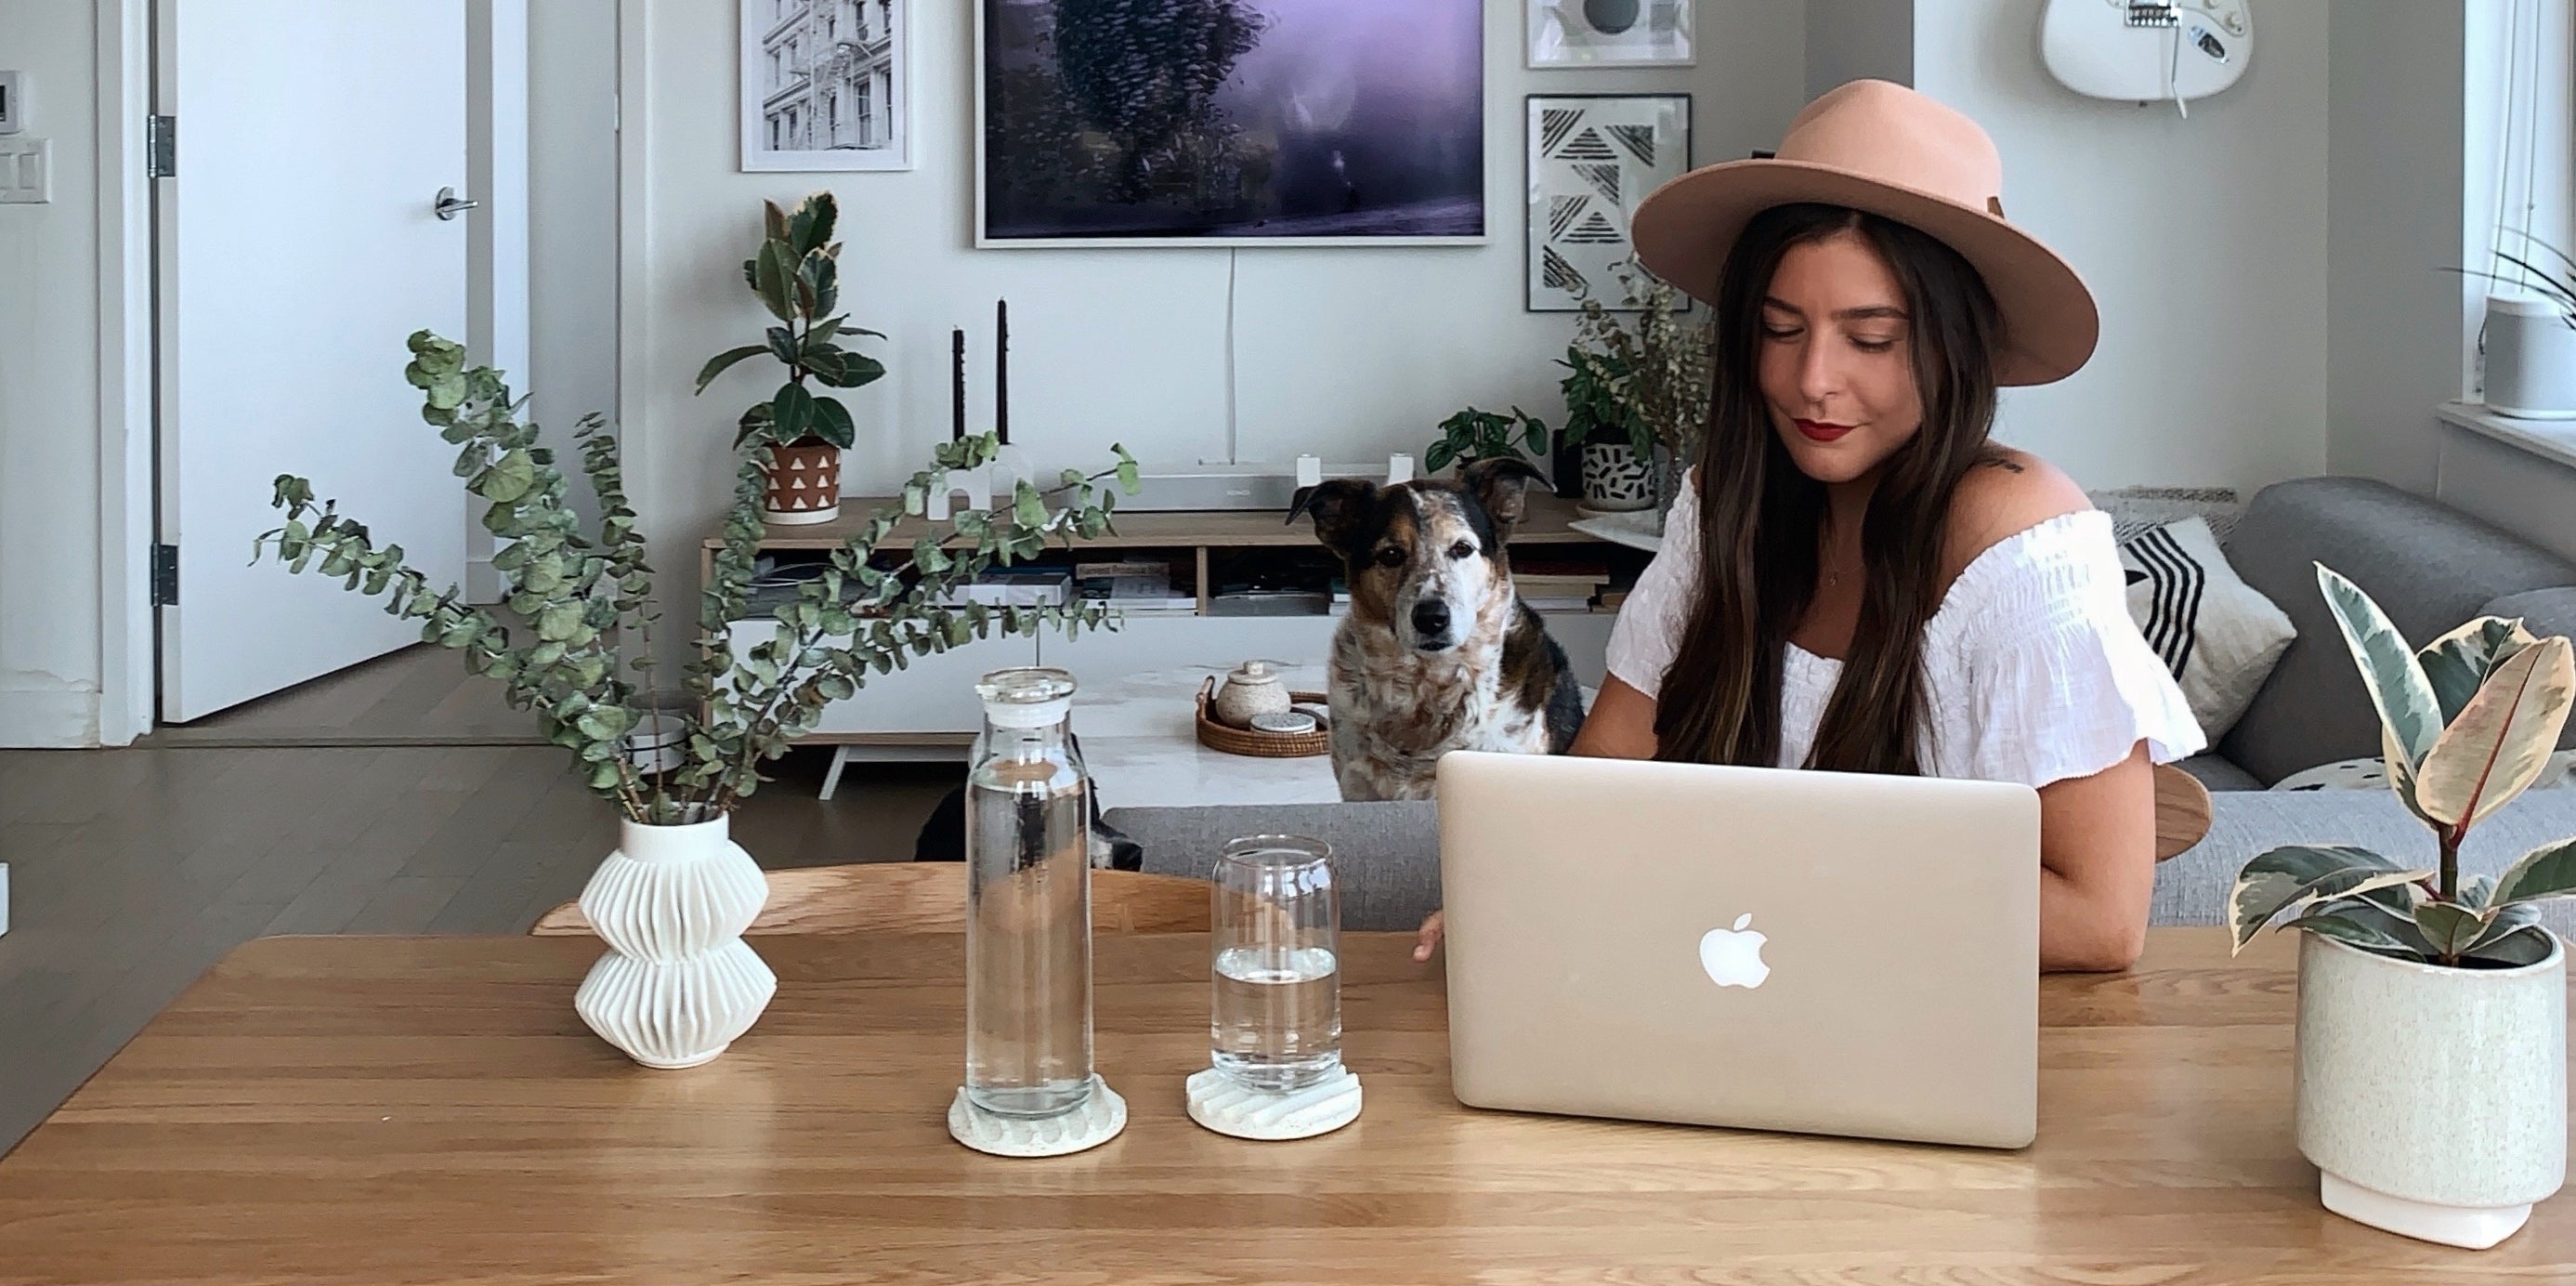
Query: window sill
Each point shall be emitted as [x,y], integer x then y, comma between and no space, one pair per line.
[2553,440]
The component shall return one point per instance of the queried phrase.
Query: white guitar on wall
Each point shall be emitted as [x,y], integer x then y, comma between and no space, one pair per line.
[2143,51]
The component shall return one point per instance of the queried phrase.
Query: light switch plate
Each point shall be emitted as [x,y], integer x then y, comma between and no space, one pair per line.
[13,102]
[26,171]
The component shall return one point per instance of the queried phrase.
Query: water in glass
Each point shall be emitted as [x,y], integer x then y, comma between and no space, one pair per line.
[1275,1011]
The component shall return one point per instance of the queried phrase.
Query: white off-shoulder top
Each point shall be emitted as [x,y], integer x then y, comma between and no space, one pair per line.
[2033,670]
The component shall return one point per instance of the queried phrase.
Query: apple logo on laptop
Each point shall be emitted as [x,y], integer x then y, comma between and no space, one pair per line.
[1733,957]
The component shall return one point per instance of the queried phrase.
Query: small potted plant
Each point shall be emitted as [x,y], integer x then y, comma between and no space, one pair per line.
[2432,1045]
[678,983]
[2529,339]
[1472,435]
[1636,395]
[796,275]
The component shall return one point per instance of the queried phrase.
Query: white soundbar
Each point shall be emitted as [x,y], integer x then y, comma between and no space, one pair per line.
[1249,486]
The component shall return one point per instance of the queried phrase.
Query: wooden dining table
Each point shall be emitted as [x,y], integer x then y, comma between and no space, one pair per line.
[390,1110]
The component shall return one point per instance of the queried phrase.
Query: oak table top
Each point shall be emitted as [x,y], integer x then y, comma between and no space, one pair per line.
[377,1110]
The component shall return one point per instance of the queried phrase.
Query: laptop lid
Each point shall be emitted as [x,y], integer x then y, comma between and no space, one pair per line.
[1833,953]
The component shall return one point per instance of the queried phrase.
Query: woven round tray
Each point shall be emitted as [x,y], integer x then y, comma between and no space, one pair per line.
[1261,745]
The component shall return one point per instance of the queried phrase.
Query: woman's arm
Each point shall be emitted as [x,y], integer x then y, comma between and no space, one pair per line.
[1621,725]
[2097,866]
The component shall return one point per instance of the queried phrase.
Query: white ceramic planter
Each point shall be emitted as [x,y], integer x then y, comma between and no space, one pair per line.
[678,983]
[2531,359]
[2433,1100]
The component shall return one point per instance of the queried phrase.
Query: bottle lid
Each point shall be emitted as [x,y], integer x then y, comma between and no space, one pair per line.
[1026,697]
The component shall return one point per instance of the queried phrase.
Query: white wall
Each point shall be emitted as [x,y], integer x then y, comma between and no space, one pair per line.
[2203,240]
[572,221]
[2397,325]
[49,393]
[1344,352]
[1851,40]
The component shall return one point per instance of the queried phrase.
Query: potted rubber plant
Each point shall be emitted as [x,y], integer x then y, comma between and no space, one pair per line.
[2432,1036]
[796,275]
[678,983]
[1636,395]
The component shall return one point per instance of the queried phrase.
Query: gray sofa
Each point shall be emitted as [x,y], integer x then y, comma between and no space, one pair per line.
[2430,567]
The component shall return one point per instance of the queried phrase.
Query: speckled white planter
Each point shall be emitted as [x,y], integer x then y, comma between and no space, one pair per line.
[2434,1100]
[678,983]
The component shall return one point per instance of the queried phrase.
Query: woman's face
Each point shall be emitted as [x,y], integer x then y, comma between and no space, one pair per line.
[1835,359]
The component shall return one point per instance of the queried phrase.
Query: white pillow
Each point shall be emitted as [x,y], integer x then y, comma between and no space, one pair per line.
[2218,635]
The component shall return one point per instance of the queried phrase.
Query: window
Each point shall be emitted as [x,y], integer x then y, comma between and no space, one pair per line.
[867,123]
[832,120]
[777,135]
[775,79]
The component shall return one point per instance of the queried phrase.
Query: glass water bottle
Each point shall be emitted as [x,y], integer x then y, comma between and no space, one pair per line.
[1028,902]
[1275,1012]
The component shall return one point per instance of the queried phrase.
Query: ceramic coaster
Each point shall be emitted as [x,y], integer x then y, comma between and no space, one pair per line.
[1097,1121]
[1226,1106]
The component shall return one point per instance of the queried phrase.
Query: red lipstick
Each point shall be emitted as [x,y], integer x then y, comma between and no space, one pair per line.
[1819,431]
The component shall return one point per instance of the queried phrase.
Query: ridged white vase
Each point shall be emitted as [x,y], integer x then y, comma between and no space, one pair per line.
[678,982]
[2433,1101]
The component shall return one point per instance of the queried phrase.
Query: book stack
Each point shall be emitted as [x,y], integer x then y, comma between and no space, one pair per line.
[1016,587]
[1559,585]
[1143,588]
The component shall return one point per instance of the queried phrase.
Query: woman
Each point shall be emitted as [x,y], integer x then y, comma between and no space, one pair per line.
[1855,578]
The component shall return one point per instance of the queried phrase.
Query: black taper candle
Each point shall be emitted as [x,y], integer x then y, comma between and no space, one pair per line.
[1002,371]
[957,383]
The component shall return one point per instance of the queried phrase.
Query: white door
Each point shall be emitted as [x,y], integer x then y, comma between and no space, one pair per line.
[298,249]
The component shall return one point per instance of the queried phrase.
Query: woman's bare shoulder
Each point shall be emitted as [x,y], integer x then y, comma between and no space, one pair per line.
[2002,497]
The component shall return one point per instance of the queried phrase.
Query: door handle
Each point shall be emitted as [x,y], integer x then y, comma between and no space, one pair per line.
[451,205]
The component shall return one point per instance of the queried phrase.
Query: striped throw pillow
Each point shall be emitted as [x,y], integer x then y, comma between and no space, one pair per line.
[2218,635]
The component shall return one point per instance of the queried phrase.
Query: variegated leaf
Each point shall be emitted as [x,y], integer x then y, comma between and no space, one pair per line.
[2503,739]
[2398,688]
[2292,877]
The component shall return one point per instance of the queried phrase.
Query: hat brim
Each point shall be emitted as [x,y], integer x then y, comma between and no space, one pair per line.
[1684,230]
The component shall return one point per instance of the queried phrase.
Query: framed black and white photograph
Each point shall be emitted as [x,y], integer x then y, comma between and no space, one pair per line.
[1229,122]
[826,84]
[1592,158]
[1610,33]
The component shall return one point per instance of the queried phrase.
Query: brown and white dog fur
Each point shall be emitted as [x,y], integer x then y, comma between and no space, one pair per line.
[1438,652]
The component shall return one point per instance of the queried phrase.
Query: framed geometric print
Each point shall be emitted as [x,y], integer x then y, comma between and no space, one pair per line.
[1591,159]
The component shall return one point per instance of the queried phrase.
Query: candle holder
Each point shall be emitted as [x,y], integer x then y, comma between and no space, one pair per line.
[1275,1002]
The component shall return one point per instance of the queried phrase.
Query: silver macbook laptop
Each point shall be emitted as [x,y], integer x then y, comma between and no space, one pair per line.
[1831,953]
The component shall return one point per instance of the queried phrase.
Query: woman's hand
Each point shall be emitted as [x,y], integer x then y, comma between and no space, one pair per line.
[1428,939]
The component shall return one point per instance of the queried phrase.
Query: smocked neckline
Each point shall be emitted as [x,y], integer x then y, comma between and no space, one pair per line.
[1975,571]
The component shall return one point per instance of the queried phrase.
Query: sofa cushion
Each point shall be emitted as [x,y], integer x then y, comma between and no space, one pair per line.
[2218,635]
[2430,568]
[1386,853]
[2217,773]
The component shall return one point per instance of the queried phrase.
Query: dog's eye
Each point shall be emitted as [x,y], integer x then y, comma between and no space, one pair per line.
[1391,556]
[1463,549]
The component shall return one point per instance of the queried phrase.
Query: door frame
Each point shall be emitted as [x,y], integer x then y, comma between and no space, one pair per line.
[128,468]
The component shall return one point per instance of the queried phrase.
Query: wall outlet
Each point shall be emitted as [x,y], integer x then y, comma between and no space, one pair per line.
[26,171]
[13,102]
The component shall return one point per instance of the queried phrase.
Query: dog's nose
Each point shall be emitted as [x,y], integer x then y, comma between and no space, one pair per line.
[1431,618]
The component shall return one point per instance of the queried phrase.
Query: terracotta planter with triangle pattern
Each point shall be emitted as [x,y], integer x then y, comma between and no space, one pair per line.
[804,485]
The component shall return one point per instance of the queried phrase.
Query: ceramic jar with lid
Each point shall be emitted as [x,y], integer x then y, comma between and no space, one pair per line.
[1253,688]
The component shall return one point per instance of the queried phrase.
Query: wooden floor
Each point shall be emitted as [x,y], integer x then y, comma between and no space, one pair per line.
[420,696]
[131,871]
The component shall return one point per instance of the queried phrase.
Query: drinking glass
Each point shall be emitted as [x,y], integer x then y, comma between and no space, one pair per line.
[1275,970]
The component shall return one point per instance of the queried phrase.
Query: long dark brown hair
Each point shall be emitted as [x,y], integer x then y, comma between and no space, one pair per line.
[1760,516]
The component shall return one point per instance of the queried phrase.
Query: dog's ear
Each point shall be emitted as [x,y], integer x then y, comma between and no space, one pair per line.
[1338,507]
[1498,485]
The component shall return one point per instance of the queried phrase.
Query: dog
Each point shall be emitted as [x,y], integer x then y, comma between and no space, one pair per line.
[1438,652]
